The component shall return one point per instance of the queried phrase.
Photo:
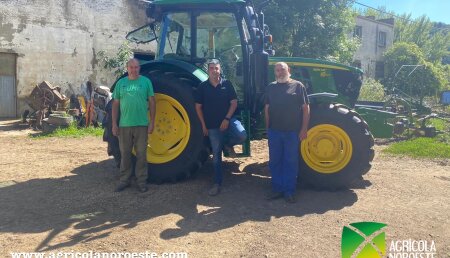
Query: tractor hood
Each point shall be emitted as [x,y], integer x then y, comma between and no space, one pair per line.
[310,62]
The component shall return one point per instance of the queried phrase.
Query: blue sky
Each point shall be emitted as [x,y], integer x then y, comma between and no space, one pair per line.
[437,10]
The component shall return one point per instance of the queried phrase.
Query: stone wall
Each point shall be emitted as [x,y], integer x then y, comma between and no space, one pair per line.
[58,40]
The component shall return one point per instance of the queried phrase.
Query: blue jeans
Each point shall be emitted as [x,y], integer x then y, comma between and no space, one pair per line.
[283,160]
[234,135]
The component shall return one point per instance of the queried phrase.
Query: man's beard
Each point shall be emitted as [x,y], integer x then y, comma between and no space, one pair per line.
[284,79]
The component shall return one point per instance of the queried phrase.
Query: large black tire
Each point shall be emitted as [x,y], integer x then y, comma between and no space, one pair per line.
[113,141]
[362,152]
[195,154]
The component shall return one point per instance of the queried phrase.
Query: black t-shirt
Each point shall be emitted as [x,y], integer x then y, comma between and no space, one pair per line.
[215,101]
[285,102]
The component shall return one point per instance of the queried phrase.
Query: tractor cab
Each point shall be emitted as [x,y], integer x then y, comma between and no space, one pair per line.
[229,31]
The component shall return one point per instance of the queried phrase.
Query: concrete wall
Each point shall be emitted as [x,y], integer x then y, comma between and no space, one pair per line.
[370,52]
[58,40]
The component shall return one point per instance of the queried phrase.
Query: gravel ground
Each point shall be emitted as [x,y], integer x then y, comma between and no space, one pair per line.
[57,195]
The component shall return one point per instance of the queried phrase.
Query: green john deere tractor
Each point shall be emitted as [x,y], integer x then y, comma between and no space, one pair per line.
[338,149]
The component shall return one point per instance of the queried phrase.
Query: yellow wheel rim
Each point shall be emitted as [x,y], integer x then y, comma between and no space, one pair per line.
[327,149]
[171,133]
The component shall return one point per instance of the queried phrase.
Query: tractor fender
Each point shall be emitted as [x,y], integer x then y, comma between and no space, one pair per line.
[322,97]
[171,66]
[177,66]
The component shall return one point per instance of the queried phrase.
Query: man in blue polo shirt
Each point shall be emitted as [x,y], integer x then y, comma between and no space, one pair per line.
[216,102]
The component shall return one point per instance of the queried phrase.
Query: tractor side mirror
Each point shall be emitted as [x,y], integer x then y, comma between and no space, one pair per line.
[445,98]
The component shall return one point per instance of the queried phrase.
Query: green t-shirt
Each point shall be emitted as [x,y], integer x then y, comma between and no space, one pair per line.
[133,96]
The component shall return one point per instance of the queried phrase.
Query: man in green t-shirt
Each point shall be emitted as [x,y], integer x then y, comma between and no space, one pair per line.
[133,96]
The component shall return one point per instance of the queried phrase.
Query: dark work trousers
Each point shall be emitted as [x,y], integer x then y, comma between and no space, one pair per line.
[137,137]
[283,160]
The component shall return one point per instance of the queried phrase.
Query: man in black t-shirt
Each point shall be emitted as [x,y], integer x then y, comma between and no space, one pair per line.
[216,102]
[287,118]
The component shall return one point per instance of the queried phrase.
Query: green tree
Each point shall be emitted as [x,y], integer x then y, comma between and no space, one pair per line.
[426,80]
[312,28]
[116,63]
[435,43]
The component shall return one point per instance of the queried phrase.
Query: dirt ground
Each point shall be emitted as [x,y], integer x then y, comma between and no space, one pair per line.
[57,195]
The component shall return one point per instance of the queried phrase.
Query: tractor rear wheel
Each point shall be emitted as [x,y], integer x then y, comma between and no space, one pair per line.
[176,148]
[338,149]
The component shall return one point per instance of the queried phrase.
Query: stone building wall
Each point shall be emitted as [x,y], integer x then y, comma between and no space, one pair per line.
[58,40]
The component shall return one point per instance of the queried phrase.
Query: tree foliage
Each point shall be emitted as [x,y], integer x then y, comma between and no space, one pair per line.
[435,43]
[312,28]
[116,63]
[426,80]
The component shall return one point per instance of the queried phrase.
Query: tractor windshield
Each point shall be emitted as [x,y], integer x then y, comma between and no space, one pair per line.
[217,35]
[176,36]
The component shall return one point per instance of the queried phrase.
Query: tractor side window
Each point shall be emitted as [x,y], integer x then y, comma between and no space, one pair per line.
[176,36]
[306,79]
[246,32]
[218,37]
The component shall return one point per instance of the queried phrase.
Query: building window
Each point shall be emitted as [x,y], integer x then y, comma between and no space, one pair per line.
[379,70]
[382,39]
[357,32]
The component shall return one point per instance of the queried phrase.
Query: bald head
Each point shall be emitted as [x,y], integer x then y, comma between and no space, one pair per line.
[133,61]
[133,68]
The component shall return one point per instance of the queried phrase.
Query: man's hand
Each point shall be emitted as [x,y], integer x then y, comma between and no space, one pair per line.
[115,130]
[150,129]
[224,125]
[303,134]
[205,130]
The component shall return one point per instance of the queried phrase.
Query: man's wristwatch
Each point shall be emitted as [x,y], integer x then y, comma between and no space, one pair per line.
[228,119]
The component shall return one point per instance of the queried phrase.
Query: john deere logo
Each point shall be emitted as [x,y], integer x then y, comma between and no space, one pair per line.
[363,240]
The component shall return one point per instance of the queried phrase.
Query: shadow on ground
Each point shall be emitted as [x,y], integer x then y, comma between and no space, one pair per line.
[86,202]
[13,125]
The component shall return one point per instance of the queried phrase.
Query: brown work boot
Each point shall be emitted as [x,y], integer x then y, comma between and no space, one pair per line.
[273,196]
[142,188]
[230,151]
[290,199]
[122,186]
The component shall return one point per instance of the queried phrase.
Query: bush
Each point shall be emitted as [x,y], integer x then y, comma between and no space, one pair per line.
[426,80]
[371,90]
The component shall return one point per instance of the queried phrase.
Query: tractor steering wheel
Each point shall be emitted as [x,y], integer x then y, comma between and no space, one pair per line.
[232,49]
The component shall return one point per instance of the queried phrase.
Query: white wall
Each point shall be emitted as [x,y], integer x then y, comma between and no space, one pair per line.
[57,40]
[370,52]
